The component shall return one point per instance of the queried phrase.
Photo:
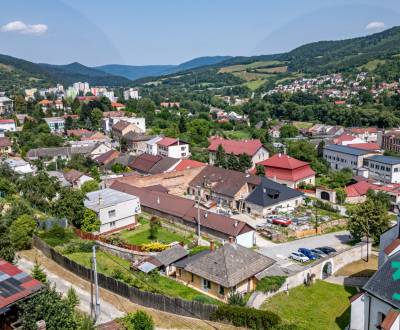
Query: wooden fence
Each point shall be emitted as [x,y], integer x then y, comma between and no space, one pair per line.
[144,298]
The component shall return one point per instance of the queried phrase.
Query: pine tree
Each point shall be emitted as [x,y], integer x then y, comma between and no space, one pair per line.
[72,297]
[38,273]
[182,124]
[220,157]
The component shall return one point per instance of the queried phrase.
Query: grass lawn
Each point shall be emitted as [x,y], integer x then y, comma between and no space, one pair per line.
[237,135]
[360,268]
[253,85]
[108,264]
[321,306]
[140,235]
[57,241]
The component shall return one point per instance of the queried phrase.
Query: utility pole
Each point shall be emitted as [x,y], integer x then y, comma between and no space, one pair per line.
[96,285]
[198,216]
[367,239]
[316,219]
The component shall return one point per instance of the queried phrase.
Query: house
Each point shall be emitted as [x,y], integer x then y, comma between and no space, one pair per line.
[137,142]
[270,196]
[122,128]
[149,164]
[383,168]
[113,117]
[174,148]
[253,148]
[223,271]
[151,145]
[345,139]
[118,106]
[367,134]
[107,157]
[391,140]
[99,149]
[6,105]
[20,166]
[340,157]
[76,178]
[5,146]
[225,187]
[131,93]
[185,164]
[60,178]
[56,124]
[7,125]
[116,210]
[52,154]
[163,261]
[15,286]
[182,211]
[377,305]
[288,171]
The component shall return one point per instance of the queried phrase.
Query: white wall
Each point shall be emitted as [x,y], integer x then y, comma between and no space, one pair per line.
[8,127]
[284,206]
[261,154]
[382,172]
[357,316]
[246,239]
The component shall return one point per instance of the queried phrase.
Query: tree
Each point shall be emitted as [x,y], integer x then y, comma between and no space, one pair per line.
[69,123]
[95,117]
[340,195]
[155,225]
[288,131]
[260,170]
[320,149]
[7,250]
[220,156]
[90,221]
[89,186]
[368,219]
[244,162]
[21,232]
[38,273]
[138,321]
[379,197]
[182,124]
[72,297]
[49,306]
[70,205]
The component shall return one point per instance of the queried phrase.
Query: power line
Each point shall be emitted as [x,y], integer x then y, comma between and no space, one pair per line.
[156,290]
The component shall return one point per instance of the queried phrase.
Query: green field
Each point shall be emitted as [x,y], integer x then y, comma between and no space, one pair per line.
[321,306]
[237,135]
[141,234]
[372,65]
[253,85]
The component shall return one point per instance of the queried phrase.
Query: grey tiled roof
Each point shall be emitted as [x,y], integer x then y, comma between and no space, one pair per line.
[385,159]
[269,193]
[229,265]
[171,255]
[383,285]
[347,150]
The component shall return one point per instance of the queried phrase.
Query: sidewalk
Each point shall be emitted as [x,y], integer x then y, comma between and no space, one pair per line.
[110,303]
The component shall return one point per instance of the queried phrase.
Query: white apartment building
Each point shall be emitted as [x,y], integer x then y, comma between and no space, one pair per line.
[131,93]
[340,157]
[81,87]
[174,148]
[383,168]
[6,105]
[116,210]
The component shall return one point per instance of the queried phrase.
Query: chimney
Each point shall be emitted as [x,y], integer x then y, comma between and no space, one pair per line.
[212,245]
[231,239]
[41,325]
[236,223]
[100,199]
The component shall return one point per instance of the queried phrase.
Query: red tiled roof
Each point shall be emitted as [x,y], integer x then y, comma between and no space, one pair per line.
[392,246]
[185,164]
[107,157]
[365,146]
[236,147]
[167,141]
[87,98]
[45,102]
[7,121]
[343,138]
[389,320]
[78,132]
[15,285]
[5,142]
[117,105]
[283,161]
[358,189]
[360,130]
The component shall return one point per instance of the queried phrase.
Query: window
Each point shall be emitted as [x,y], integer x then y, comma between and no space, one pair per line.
[396,169]
[112,224]
[206,284]
[111,213]
[221,290]
[192,278]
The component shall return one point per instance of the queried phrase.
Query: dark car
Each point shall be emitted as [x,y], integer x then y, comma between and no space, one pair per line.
[318,253]
[326,249]
[308,253]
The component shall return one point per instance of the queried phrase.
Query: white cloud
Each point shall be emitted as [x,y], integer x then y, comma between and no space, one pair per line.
[22,28]
[375,25]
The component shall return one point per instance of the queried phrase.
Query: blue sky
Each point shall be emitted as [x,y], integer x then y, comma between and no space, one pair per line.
[96,32]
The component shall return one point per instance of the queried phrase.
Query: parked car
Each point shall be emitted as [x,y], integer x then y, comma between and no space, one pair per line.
[326,249]
[308,253]
[318,253]
[298,257]
[282,221]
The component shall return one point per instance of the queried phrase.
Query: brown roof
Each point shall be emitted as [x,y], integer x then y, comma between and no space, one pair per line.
[229,265]
[356,296]
[222,181]
[121,125]
[107,157]
[184,209]
[5,142]
[144,162]
[164,165]
[72,176]
[392,246]
[389,320]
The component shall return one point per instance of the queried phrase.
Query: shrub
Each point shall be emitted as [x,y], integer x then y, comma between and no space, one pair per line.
[246,317]
[21,232]
[90,222]
[38,273]
[74,247]
[155,225]
[57,231]
[236,299]
[72,297]
[138,321]
[271,283]
[325,206]
[154,247]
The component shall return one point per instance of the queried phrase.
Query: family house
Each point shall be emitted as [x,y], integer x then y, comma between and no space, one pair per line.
[54,153]
[253,148]
[7,125]
[76,178]
[288,171]
[174,148]
[56,124]
[223,271]
[122,127]
[5,146]
[116,210]
[6,105]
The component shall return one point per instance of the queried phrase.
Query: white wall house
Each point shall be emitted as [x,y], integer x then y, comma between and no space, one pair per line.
[151,145]
[174,148]
[340,157]
[110,121]
[115,209]
[383,168]
[6,105]
[7,125]
[131,93]
[20,166]
[56,124]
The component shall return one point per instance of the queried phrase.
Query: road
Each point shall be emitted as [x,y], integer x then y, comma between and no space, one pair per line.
[282,251]
[107,311]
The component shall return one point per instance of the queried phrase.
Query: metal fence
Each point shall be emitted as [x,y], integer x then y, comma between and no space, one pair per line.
[144,298]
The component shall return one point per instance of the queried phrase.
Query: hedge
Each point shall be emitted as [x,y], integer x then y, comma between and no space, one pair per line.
[270,283]
[246,317]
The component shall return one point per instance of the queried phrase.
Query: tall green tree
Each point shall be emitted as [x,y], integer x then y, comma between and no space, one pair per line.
[220,157]
[21,232]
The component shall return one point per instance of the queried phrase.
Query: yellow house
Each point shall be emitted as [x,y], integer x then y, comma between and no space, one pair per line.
[5,145]
[219,272]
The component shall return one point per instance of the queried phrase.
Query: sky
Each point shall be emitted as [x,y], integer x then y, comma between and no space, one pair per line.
[98,32]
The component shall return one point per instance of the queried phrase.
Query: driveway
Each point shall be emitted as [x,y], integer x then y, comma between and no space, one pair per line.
[282,251]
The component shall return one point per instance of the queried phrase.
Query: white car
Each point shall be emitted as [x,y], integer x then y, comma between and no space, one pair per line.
[299,257]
